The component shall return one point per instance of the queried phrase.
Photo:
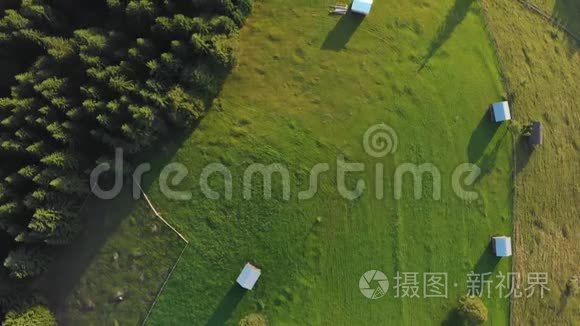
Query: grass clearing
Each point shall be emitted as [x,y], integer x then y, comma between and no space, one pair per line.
[307,87]
[542,66]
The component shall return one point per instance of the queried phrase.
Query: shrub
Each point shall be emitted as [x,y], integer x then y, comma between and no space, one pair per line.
[253,320]
[473,310]
[572,287]
[37,315]
[516,128]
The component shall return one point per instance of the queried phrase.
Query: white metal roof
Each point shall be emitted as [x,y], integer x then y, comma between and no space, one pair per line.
[501,111]
[249,276]
[362,6]
[503,246]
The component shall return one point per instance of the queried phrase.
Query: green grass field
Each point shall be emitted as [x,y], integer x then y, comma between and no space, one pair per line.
[307,87]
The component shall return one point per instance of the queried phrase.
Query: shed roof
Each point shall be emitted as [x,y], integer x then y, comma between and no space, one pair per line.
[536,137]
[503,246]
[501,111]
[362,6]
[249,276]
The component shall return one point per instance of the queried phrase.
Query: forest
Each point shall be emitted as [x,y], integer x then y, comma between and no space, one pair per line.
[79,79]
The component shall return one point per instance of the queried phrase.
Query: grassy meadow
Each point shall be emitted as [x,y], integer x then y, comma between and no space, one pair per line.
[542,67]
[307,87]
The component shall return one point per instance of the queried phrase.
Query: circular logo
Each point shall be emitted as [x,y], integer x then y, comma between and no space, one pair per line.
[380,140]
[378,280]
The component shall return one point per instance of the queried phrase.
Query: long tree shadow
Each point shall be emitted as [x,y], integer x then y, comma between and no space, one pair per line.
[481,137]
[453,19]
[487,162]
[567,12]
[340,35]
[227,305]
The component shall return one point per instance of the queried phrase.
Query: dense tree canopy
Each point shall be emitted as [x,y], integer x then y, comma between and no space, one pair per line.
[81,78]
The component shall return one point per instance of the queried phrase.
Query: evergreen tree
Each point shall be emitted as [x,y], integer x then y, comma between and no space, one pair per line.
[25,262]
[223,25]
[45,220]
[71,183]
[14,22]
[141,13]
[9,209]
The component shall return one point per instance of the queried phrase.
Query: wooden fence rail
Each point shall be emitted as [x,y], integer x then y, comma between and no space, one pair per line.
[553,20]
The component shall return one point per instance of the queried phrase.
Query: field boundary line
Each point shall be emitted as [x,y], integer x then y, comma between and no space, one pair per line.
[164,284]
[159,215]
[515,234]
[553,20]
